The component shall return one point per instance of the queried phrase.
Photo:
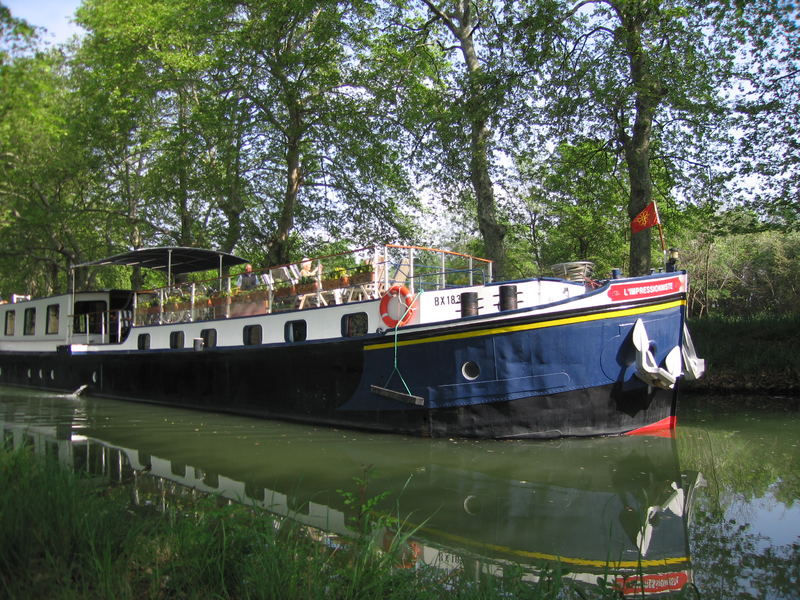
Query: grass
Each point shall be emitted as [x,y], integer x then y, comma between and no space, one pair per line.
[756,354]
[67,536]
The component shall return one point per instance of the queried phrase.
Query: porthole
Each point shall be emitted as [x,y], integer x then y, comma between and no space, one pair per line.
[30,374]
[472,505]
[41,374]
[355,324]
[470,370]
[52,375]
[94,376]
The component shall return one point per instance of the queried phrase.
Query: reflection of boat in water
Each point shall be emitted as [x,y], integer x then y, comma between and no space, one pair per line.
[613,506]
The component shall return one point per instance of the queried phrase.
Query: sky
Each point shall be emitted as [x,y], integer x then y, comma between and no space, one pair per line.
[53,15]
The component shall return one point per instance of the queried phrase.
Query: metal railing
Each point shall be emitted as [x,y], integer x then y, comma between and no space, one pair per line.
[102,327]
[363,274]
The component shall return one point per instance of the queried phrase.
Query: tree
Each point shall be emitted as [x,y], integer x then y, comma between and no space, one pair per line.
[247,121]
[767,105]
[636,72]
[324,152]
[572,202]
[142,79]
[43,178]
[449,92]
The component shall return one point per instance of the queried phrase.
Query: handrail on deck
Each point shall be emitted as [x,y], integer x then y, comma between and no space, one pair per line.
[362,274]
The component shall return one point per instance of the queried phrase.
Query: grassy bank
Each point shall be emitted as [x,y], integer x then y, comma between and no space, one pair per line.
[69,536]
[750,355]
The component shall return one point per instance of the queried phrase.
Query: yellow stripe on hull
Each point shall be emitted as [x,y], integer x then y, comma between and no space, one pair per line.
[583,562]
[528,326]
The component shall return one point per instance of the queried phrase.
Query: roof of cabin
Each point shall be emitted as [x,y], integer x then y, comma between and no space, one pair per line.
[173,259]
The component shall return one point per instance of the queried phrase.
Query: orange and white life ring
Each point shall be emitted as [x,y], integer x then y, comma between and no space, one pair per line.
[406,299]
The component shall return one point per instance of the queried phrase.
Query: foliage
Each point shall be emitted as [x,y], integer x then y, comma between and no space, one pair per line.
[751,352]
[767,112]
[645,79]
[531,129]
[572,208]
[57,530]
[743,274]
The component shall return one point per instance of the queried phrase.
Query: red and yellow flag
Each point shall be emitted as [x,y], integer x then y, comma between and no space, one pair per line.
[645,219]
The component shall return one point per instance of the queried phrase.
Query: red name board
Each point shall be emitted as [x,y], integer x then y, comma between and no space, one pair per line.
[645,289]
[652,584]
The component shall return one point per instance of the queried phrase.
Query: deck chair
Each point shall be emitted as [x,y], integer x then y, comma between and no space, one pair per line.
[376,285]
[316,295]
[400,273]
[275,277]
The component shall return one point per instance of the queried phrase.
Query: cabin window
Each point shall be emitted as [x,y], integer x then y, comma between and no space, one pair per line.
[11,317]
[143,341]
[252,335]
[176,339]
[355,324]
[209,338]
[89,313]
[29,326]
[295,331]
[51,324]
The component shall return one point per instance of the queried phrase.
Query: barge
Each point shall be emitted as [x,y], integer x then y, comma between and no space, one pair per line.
[390,338]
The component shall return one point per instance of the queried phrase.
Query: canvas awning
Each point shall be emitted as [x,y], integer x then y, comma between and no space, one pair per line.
[172,260]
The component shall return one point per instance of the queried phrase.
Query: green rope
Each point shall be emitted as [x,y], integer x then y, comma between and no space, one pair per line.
[396,327]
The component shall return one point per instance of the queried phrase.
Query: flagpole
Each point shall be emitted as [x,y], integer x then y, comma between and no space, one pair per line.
[660,231]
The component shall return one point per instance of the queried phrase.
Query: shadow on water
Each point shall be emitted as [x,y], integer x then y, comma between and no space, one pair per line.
[613,507]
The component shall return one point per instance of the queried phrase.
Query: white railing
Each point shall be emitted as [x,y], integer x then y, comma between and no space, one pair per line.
[363,274]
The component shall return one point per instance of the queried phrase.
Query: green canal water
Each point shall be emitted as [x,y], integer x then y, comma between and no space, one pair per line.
[716,509]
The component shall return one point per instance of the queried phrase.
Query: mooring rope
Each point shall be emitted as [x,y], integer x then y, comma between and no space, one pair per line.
[396,327]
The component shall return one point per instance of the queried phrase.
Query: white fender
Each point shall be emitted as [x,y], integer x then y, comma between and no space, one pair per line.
[693,366]
[673,362]
[647,368]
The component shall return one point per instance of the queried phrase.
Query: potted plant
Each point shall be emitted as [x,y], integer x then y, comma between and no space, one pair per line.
[201,300]
[283,290]
[361,274]
[259,294]
[173,302]
[221,298]
[307,285]
[151,306]
[338,279]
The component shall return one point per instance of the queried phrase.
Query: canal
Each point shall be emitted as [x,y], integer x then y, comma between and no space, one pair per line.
[716,508]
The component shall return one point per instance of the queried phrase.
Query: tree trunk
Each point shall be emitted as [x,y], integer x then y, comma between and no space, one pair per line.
[462,25]
[492,232]
[648,93]
[278,250]
[637,155]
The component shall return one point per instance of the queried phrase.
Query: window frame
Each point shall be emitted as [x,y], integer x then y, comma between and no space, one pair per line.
[48,321]
[346,322]
[13,320]
[177,339]
[289,331]
[209,337]
[143,341]
[29,321]
[248,337]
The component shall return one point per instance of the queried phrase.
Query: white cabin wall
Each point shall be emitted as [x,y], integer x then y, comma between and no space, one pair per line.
[41,341]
